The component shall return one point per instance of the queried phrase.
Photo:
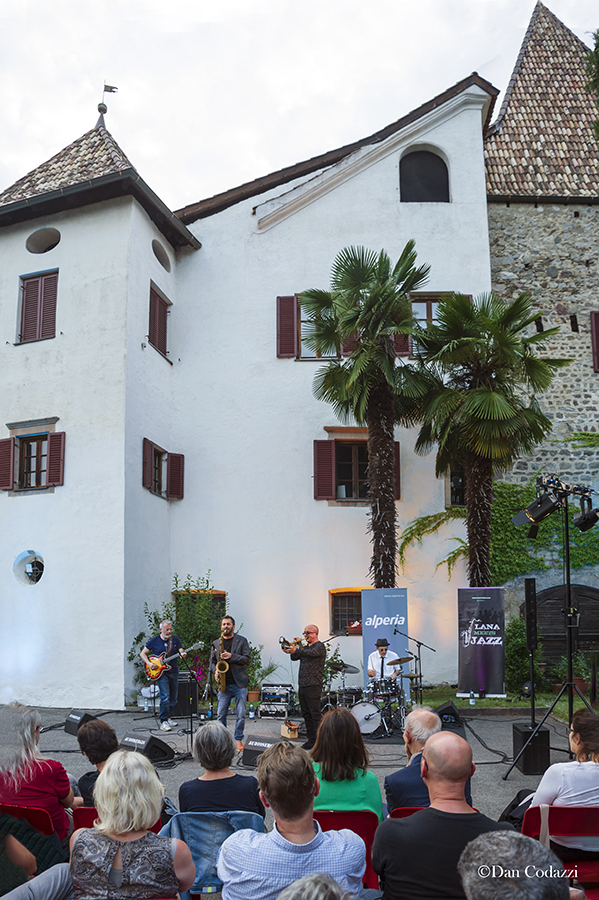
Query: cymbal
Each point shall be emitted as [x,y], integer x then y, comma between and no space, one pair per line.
[343,667]
[399,661]
[410,675]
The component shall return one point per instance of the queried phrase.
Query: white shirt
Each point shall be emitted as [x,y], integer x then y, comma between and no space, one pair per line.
[570,784]
[374,662]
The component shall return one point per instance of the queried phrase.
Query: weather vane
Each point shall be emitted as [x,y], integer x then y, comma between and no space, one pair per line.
[108,89]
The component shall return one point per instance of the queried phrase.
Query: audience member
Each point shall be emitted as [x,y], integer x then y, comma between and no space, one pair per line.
[119,857]
[574,783]
[406,787]
[341,764]
[255,865]
[314,887]
[508,866]
[417,857]
[218,788]
[26,777]
[97,740]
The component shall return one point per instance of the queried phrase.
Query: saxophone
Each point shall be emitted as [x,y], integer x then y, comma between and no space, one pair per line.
[221,668]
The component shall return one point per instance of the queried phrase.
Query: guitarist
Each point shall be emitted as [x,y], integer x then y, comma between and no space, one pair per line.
[168,643]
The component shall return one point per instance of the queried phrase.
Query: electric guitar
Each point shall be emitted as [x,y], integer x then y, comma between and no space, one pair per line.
[158,664]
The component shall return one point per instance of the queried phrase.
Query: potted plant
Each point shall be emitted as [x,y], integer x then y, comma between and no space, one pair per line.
[581,672]
[257,673]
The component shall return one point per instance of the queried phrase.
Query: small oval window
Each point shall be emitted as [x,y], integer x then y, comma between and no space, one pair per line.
[161,255]
[28,567]
[43,240]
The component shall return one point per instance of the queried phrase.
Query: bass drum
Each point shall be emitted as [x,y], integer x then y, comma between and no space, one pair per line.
[368,716]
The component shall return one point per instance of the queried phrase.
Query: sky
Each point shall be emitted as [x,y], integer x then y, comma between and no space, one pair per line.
[215,94]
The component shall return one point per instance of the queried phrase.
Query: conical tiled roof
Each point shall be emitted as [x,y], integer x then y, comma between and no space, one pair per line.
[542,143]
[91,156]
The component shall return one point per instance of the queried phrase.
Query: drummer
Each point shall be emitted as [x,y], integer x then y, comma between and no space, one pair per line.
[378,667]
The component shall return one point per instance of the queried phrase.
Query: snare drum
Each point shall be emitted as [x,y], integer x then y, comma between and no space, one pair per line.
[385,687]
[348,696]
[367,715]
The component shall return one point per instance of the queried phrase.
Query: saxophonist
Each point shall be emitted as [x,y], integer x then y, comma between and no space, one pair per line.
[232,679]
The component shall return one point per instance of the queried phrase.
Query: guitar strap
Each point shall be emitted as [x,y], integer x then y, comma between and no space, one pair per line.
[169,648]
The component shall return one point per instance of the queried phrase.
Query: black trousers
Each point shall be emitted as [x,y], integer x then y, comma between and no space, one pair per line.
[309,699]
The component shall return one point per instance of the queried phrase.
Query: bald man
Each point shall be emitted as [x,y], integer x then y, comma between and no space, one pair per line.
[418,856]
[406,786]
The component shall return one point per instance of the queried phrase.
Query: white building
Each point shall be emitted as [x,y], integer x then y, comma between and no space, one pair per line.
[140,348]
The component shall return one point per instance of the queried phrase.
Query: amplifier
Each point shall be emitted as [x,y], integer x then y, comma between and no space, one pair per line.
[276,693]
[273,710]
[75,719]
[152,747]
[253,747]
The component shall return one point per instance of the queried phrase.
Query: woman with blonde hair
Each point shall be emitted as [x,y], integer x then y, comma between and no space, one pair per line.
[26,777]
[120,857]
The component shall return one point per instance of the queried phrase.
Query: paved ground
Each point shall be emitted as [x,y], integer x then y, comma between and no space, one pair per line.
[489,735]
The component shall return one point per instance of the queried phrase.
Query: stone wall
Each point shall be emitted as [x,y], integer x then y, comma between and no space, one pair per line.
[552,251]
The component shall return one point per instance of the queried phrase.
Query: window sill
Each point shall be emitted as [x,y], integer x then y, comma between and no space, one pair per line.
[348,502]
[34,341]
[159,352]
[21,492]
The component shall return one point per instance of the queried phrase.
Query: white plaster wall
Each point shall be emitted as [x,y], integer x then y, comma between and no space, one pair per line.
[248,420]
[65,634]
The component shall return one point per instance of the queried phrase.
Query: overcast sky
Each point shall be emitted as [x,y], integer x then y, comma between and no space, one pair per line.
[215,94]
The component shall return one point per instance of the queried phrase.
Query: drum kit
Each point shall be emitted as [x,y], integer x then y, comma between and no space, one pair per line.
[374,707]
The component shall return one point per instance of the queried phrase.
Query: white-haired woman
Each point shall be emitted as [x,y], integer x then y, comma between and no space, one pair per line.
[120,856]
[26,777]
[218,789]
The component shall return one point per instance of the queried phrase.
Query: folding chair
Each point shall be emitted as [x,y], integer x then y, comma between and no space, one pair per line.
[401,812]
[574,821]
[85,816]
[38,818]
[362,822]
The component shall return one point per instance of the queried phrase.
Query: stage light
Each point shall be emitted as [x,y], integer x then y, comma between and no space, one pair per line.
[587,517]
[526,691]
[536,511]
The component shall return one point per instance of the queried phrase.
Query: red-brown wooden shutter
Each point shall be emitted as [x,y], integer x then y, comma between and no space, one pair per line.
[55,473]
[595,340]
[397,472]
[30,309]
[352,343]
[286,327]
[7,456]
[49,293]
[148,462]
[175,466]
[402,344]
[324,470]
[158,319]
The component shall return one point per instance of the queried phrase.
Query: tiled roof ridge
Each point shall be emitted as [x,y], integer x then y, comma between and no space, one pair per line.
[539,7]
[216,203]
[119,158]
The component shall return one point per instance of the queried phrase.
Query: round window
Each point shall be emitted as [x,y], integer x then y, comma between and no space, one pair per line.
[43,240]
[28,567]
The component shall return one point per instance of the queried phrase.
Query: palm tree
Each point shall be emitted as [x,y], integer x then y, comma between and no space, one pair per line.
[480,408]
[367,315]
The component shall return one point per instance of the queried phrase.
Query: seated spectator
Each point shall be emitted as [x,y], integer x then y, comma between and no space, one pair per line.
[314,887]
[406,787]
[97,740]
[417,857]
[253,865]
[120,856]
[574,783]
[218,789]
[341,764]
[505,864]
[26,777]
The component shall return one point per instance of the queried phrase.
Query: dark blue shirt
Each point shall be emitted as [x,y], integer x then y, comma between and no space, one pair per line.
[406,787]
[157,646]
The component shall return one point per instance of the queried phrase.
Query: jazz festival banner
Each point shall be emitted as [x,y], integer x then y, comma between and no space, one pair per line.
[384,609]
[481,629]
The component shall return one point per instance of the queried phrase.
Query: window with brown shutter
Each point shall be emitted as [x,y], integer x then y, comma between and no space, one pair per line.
[595,340]
[158,321]
[162,472]
[39,461]
[38,307]
[340,469]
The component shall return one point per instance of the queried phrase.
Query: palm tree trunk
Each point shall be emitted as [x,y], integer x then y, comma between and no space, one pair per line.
[478,473]
[380,418]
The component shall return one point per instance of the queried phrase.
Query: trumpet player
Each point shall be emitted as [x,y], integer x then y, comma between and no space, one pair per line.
[312,658]
[232,679]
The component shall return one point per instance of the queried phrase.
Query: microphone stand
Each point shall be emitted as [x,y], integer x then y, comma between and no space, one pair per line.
[417,661]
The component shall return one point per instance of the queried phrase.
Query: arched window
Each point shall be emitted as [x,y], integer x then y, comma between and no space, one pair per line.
[423,178]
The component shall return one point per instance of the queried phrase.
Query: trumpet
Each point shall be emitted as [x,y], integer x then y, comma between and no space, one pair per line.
[221,669]
[295,643]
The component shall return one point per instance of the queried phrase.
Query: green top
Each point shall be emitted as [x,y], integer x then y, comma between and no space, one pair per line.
[361,793]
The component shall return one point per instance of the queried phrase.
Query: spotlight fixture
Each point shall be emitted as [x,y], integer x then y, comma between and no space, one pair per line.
[536,511]
[587,517]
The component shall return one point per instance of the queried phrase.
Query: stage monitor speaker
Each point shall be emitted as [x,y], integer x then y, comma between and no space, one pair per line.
[450,719]
[254,746]
[535,759]
[530,613]
[152,747]
[75,719]
[187,695]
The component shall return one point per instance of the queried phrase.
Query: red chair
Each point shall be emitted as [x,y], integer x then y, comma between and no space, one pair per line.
[364,823]
[85,816]
[575,821]
[400,812]
[37,818]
